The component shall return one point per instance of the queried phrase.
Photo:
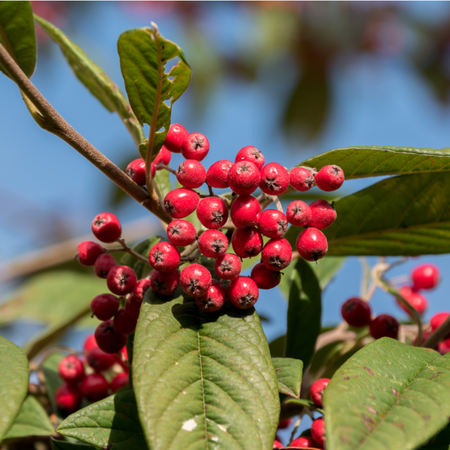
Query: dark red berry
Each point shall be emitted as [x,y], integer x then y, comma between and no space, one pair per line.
[165,283]
[243,177]
[99,360]
[195,146]
[104,306]
[71,369]
[94,387]
[298,213]
[106,227]
[444,347]
[384,325]
[312,244]
[322,214]
[415,299]
[283,424]
[251,154]
[89,343]
[228,266]
[121,280]
[140,289]
[356,312]
[181,232]
[243,292]
[164,257]
[181,202]
[274,179]
[88,252]
[191,173]
[163,157]
[245,211]
[212,243]
[265,278]
[67,398]
[124,323]
[175,137]
[277,254]
[104,263]
[195,280]
[304,442]
[120,381]
[247,242]
[133,306]
[217,175]
[272,223]
[301,179]
[329,178]
[317,391]
[318,431]
[214,298]
[136,171]
[212,212]
[277,444]
[425,276]
[108,339]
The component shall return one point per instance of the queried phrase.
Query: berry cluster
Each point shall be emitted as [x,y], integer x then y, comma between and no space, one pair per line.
[92,376]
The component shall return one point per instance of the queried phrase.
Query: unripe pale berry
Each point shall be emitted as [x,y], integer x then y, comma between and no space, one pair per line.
[317,389]
[195,280]
[214,298]
[277,254]
[136,171]
[356,312]
[228,266]
[71,369]
[120,381]
[195,146]
[164,257]
[272,223]
[121,280]
[163,157]
[181,232]
[212,243]
[191,173]
[181,202]
[318,431]
[415,299]
[247,242]
[265,278]
[329,178]
[67,398]
[425,276]
[243,292]
[301,179]
[165,283]
[104,306]
[298,213]
[108,339]
[106,227]
[175,137]
[251,154]
[304,442]
[88,252]
[140,289]
[245,211]
[322,214]
[104,263]
[133,306]
[243,177]
[274,179]
[94,387]
[99,360]
[217,175]
[312,244]
[212,212]
[123,322]
[384,325]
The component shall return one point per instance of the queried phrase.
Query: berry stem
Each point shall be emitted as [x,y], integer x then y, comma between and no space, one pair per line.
[191,258]
[129,250]
[164,166]
[222,197]
[438,335]
[189,250]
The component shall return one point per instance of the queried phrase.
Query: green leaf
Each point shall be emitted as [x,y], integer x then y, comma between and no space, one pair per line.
[162,182]
[203,380]
[13,383]
[144,54]
[278,347]
[63,445]
[143,248]
[17,34]
[111,422]
[52,380]
[307,403]
[289,374]
[31,421]
[93,77]
[372,161]
[304,313]
[388,396]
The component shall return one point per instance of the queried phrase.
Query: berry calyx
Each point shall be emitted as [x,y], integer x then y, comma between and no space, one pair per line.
[322,214]
[425,276]
[195,280]
[318,431]
[108,339]
[104,263]
[191,173]
[415,299]
[71,369]
[247,242]
[212,212]
[123,322]
[265,278]
[99,360]
[94,387]
[140,289]
[228,266]
[251,154]
[163,157]
[104,306]
[304,441]
[243,292]
[165,283]
[244,177]
[175,137]
[277,254]
[121,280]
[272,223]
[384,325]
[301,179]
[356,312]
[217,174]
[164,257]
[274,179]
[312,244]
[317,389]
[298,213]
[245,211]
[181,232]
[120,381]
[67,398]
[136,171]
[214,298]
[88,252]
[195,146]
[212,243]
[329,178]
[106,227]
[181,202]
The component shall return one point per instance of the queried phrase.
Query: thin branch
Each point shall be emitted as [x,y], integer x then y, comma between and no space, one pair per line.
[222,197]
[163,166]
[132,252]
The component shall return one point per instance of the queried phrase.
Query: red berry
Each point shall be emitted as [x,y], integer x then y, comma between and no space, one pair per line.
[175,137]
[140,289]
[214,298]
[104,263]
[191,173]
[274,179]
[217,175]
[244,177]
[384,325]
[181,202]
[212,212]
[329,178]
[312,244]
[247,242]
[243,292]
[418,301]
[283,424]
[104,306]
[277,444]
[99,360]
[67,398]
[298,213]
[301,179]
[251,154]
[265,278]
[165,283]
[121,280]
[71,369]
[245,211]
[164,257]
[212,243]
[106,227]
[89,343]
[163,157]
[317,391]
[437,320]
[322,214]
[272,223]
[133,306]
[228,266]
[444,347]
[94,387]
[120,381]
[425,276]
[136,171]
[318,431]
[304,442]
[356,312]
[195,146]
[108,339]
[195,280]
[277,254]
[88,252]
[181,232]
[123,322]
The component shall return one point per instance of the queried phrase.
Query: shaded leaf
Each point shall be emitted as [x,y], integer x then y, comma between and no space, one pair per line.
[52,380]
[439,442]
[63,445]
[289,374]
[307,403]
[143,248]
[278,347]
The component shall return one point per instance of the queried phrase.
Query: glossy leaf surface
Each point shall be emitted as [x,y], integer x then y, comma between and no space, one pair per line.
[289,374]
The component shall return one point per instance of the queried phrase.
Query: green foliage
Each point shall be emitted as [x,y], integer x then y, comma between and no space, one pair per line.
[289,374]
[53,380]
[63,445]
[303,402]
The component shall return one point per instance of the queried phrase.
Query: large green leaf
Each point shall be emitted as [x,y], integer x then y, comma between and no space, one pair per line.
[111,422]
[203,380]
[143,248]
[289,374]
[144,54]
[387,396]
[13,383]
[17,34]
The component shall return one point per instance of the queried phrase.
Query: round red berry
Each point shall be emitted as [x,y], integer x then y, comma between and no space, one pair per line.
[123,322]
[318,431]
[88,252]
[329,178]
[274,179]
[94,387]
[89,343]
[228,266]
[416,300]
[212,243]
[272,223]
[106,227]
[283,424]
[212,212]
[312,244]
[304,442]
[164,257]
[195,280]
[104,263]
[277,444]
[120,381]
[438,319]
[356,312]
[243,292]
[195,146]
[214,298]
[444,347]
[384,325]
[104,306]
[425,276]
[181,232]
[217,175]
[301,179]
[247,242]
[245,211]
[175,137]
[71,369]
[317,391]
[191,173]
[67,398]
[140,289]
[121,280]
[298,213]
[99,360]
[108,339]
[251,154]
[243,177]
[322,214]
[165,283]
[163,157]
[181,202]
[136,171]
[133,306]
[265,278]
[277,254]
